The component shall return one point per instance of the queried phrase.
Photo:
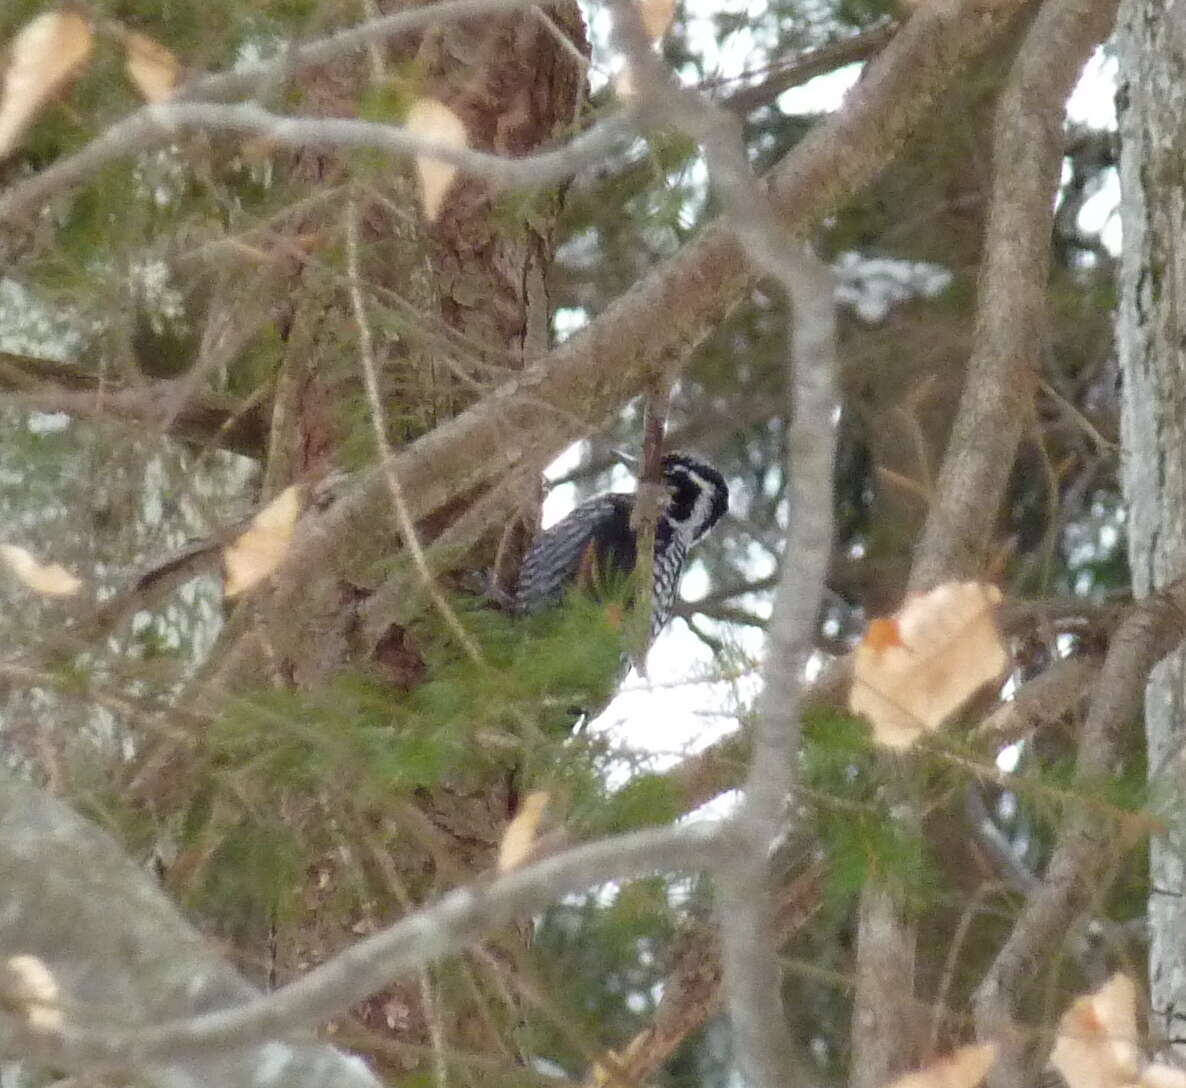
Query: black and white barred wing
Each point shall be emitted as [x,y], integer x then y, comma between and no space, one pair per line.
[558,555]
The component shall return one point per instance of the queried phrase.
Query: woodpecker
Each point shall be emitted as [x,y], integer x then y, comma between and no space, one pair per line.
[596,544]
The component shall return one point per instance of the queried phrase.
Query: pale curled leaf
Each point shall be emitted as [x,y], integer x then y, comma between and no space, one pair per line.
[518,841]
[52,579]
[962,1068]
[46,52]
[435,121]
[1096,1045]
[915,669]
[656,16]
[252,556]
[151,67]
[28,989]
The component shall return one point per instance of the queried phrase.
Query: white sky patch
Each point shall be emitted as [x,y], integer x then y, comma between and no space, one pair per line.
[1093,104]
[1093,101]
[562,499]
[1100,213]
[567,320]
[1009,757]
[695,583]
[678,709]
[824,94]
[726,56]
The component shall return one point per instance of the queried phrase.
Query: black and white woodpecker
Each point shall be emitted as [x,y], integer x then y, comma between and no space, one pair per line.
[596,545]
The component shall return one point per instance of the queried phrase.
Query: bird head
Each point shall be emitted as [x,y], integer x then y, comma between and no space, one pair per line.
[699,494]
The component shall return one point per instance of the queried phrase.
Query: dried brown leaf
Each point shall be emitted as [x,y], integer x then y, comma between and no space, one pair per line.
[435,121]
[256,553]
[52,579]
[1096,1046]
[916,668]
[962,1068]
[46,52]
[151,67]
[518,841]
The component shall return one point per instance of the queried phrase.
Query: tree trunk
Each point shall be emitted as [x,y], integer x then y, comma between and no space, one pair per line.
[452,306]
[1151,337]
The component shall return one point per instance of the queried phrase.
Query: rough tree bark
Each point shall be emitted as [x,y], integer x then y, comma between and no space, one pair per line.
[1151,337]
[451,307]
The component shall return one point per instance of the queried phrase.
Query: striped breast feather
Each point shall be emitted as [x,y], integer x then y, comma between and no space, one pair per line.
[554,559]
[669,565]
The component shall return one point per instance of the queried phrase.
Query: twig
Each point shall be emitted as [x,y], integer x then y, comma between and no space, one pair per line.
[1087,840]
[995,408]
[1042,701]
[752,975]
[780,75]
[291,60]
[399,504]
[644,518]
[393,601]
[460,918]
[161,124]
[723,594]
[206,418]
[692,989]
[795,72]
[939,1010]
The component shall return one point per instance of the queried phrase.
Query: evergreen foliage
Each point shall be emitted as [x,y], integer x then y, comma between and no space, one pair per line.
[127,276]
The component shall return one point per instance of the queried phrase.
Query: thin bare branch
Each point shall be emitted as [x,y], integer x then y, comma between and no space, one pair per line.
[207,419]
[459,919]
[995,409]
[795,72]
[752,975]
[291,59]
[1086,844]
[645,517]
[1044,700]
[161,124]
[692,989]
[1011,318]
[399,504]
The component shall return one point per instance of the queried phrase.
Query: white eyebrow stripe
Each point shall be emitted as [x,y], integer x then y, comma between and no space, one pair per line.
[701,508]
